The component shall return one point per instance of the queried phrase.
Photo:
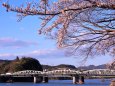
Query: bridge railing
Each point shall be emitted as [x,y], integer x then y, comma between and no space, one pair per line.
[99,72]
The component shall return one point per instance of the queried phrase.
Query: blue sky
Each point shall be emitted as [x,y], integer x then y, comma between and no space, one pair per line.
[22,39]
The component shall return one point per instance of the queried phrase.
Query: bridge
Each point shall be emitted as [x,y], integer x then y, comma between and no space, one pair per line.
[77,75]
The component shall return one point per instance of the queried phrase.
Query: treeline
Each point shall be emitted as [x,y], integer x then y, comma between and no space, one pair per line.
[28,63]
[61,66]
[66,66]
[19,64]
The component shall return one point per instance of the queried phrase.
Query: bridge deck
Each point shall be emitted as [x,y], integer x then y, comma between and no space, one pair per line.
[62,73]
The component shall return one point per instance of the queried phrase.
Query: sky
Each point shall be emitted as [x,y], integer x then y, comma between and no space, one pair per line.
[21,39]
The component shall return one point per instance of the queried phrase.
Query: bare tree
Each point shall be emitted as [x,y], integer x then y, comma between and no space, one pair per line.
[86,26]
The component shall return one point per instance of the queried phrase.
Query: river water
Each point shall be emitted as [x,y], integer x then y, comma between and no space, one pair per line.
[88,82]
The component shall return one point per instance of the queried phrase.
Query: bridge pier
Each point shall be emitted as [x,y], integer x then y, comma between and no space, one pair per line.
[45,80]
[37,79]
[81,80]
[78,79]
[75,79]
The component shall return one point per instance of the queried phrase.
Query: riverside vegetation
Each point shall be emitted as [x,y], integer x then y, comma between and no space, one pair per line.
[24,63]
[29,63]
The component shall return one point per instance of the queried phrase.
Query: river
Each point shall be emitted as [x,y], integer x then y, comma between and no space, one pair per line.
[88,82]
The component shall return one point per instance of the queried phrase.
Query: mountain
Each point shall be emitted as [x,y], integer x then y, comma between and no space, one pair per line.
[90,67]
[66,66]
[12,65]
[48,67]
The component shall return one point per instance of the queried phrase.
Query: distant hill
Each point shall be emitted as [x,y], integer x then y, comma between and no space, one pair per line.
[58,66]
[66,66]
[1,61]
[15,65]
[25,63]
[90,67]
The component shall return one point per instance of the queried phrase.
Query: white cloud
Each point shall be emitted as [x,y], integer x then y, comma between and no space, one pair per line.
[46,53]
[7,56]
[11,42]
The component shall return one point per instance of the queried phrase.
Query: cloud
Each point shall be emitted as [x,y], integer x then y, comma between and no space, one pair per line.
[46,53]
[10,42]
[7,56]
[45,56]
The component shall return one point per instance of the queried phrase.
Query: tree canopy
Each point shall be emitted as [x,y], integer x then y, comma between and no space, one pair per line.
[86,26]
[25,63]
[111,65]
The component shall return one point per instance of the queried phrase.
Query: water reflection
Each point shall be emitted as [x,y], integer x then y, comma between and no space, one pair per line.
[88,82]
